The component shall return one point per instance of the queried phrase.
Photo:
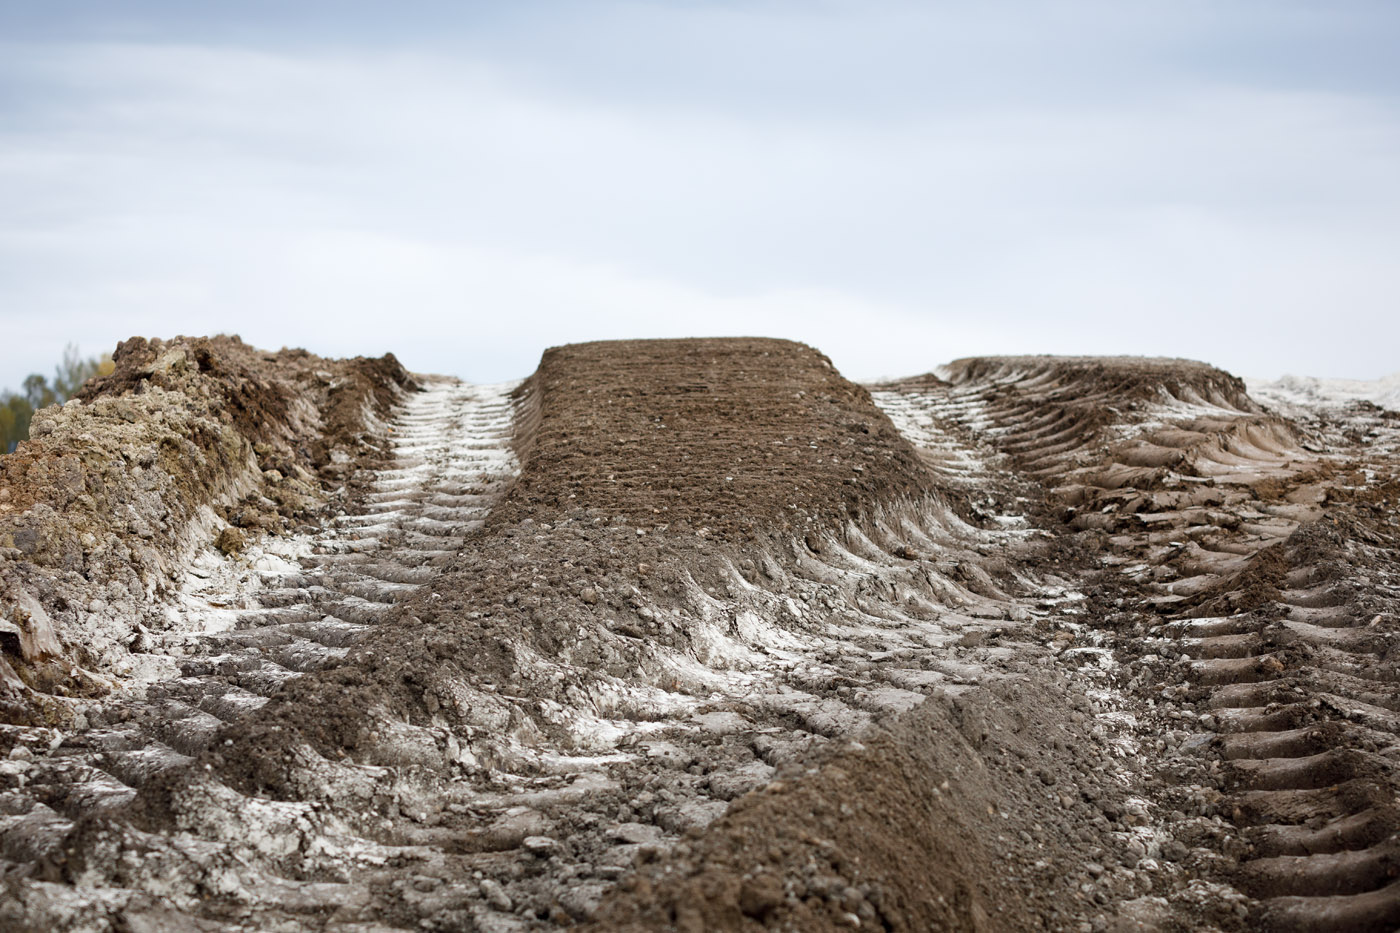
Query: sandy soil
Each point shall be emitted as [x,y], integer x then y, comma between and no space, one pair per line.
[698,635]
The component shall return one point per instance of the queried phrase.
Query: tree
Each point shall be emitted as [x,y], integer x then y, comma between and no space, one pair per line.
[37,392]
[17,410]
[15,415]
[70,374]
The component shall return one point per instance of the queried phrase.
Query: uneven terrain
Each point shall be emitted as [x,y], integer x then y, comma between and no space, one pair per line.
[698,635]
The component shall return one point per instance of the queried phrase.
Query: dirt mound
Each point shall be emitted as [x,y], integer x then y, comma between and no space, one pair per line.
[185,439]
[1267,541]
[683,507]
[1084,379]
[953,817]
[713,643]
[645,464]
[737,436]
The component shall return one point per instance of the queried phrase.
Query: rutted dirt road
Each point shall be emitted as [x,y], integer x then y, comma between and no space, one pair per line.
[698,635]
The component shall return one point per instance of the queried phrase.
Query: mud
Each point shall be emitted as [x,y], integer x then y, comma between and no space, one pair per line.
[699,635]
[1251,560]
[735,437]
[185,440]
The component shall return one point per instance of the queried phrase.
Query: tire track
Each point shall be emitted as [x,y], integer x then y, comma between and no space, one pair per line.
[247,626]
[507,726]
[516,802]
[1269,542]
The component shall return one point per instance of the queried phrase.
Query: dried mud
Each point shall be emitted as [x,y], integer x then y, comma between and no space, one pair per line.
[699,635]
[185,440]
[1250,571]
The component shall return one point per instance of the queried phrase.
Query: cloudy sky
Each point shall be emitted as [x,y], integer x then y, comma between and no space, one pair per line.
[899,184]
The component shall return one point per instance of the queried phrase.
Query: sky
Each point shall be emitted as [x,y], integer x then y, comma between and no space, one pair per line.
[898,184]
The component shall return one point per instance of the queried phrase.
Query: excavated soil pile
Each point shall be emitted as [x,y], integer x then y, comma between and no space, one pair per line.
[738,437]
[655,474]
[1251,571]
[698,635]
[644,464]
[187,439]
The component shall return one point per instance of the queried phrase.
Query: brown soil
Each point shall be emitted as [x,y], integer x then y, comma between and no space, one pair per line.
[645,463]
[1145,656]
[739,437]
[144,465]
[648,464]
[1275,566]
[1123,378]
[929,825]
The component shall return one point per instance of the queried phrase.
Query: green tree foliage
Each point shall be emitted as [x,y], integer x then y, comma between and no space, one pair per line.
[17,409]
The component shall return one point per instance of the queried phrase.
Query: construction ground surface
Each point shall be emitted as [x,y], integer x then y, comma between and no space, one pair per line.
[698,635]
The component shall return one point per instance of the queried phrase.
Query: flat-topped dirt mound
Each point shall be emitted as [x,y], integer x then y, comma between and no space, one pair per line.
[675,545]
[647,468]
[733,435]
[1124,378]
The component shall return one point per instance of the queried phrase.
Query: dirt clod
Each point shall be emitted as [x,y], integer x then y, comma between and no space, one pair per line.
[230,542]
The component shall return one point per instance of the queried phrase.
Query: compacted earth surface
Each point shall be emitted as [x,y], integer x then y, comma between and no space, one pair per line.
[698,635]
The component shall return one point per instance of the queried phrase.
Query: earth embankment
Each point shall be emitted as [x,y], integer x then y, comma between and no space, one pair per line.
[187,440]
[700,635]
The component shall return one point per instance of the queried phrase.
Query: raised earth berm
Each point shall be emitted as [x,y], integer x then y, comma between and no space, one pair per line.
[189,441]
[1258,551]
[696,635]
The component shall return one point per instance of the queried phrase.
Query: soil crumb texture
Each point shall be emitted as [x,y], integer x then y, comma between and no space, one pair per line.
[692,635]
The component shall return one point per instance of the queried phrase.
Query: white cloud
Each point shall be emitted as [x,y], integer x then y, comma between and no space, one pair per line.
[465,213]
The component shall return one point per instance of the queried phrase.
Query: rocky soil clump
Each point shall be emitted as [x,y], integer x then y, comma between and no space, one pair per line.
[188,440]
